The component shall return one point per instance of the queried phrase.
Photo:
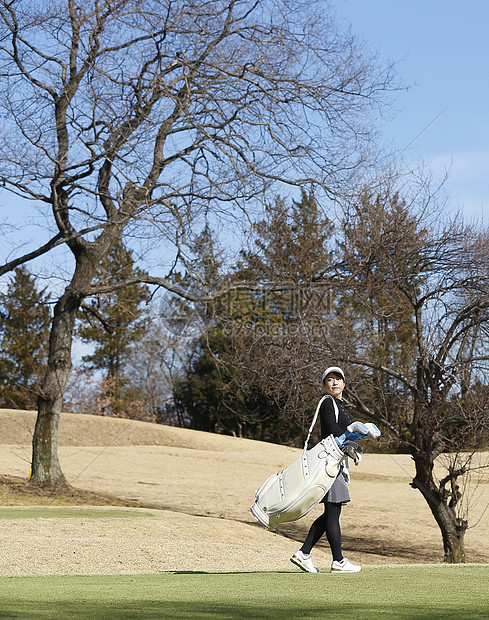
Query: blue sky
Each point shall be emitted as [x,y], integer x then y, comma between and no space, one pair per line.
[442,51]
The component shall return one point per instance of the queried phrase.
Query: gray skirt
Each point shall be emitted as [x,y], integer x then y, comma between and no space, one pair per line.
[338,493]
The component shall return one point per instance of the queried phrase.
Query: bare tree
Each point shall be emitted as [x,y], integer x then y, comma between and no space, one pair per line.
[136,118]
[407,316]
[434,276]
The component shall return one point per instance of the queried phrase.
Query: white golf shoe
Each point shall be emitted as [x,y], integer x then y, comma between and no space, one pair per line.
[344,566]
[304,562]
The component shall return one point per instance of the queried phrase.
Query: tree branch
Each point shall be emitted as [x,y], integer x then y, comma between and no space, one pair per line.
[57,240]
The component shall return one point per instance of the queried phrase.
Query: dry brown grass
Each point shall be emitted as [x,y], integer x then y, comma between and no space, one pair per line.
[200,488]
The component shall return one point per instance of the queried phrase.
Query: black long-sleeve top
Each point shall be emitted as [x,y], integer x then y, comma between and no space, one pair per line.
[327,416]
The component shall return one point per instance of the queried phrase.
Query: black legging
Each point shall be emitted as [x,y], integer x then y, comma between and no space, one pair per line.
[328,522]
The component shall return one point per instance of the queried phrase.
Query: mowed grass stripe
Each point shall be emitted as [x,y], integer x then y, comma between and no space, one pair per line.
[67,512]
[400,592]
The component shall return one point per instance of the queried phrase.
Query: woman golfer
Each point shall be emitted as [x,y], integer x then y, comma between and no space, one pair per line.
[332,423]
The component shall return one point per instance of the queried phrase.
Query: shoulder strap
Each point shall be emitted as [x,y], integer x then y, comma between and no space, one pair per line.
[311,428]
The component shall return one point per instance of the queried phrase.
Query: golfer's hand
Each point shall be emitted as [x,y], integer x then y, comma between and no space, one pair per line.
[346,474]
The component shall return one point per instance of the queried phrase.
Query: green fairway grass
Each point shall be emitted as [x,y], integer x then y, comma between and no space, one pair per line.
[393,592]
[63,512]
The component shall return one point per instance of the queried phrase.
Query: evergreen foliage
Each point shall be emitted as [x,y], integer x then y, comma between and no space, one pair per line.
[291,243]
[238,376]
[24,331]
[113,324]
[382,259]
[214,396]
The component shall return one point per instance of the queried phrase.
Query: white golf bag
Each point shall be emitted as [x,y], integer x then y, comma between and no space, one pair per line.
[291,493]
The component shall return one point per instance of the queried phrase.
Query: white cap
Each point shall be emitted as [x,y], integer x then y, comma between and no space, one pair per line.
[331,369]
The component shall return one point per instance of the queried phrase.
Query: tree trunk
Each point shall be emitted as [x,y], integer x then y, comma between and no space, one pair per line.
[46,470]
[452,528]
[453,534]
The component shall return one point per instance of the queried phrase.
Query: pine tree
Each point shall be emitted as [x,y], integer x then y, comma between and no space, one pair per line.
[292,249]
[113,323]
[381,265]
[292,242]
[259,342]
[24,329]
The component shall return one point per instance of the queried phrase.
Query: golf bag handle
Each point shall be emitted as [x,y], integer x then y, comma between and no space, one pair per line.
[311,428]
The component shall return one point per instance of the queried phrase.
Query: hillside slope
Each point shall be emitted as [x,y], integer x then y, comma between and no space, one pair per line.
[202,486]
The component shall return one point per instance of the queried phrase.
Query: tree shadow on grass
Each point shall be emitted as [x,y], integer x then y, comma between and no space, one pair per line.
[371,546]
[218,610]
